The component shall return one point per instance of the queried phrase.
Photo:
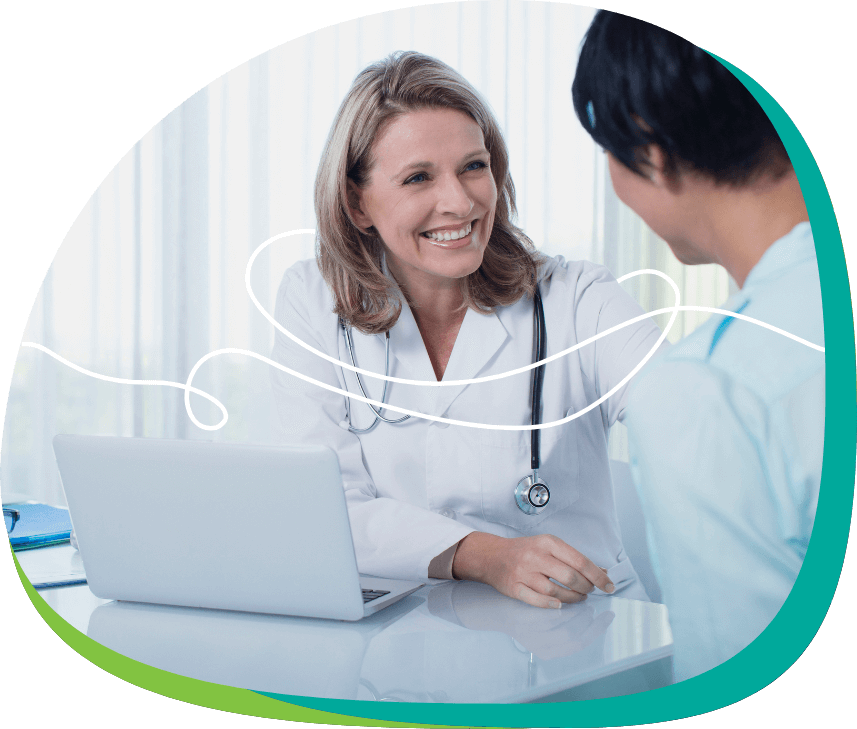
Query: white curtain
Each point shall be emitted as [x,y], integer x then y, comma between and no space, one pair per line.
[151,276]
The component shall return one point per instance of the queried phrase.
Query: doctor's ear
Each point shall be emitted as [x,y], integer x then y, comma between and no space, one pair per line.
[355,206]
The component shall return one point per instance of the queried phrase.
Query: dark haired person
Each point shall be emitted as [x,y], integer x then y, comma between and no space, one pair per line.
[726,429]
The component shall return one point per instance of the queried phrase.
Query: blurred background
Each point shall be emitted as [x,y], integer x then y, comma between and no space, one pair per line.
[151,276]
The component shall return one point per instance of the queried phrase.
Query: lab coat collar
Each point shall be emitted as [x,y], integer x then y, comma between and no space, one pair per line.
[482,335]
[406,345]
[478,340]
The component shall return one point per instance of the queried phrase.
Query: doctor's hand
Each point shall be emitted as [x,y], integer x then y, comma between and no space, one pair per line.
[522,567]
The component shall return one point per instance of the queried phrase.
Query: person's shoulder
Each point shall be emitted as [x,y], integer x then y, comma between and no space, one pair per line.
[560,276]
[735,373]
[302,282]
[304,299]
[784,290]
[724,357]
[679,379]
[304,272]
[790,301]
[680,375]
[768,362]
[693,348]
[559,268]
[792,256]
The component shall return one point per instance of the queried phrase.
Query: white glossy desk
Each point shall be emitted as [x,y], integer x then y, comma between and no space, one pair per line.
[448,642]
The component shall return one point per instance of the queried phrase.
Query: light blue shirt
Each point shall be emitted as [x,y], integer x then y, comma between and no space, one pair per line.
[726,432]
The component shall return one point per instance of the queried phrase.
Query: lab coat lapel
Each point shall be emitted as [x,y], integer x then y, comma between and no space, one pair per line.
[408,351]
[407,347]
[478,340]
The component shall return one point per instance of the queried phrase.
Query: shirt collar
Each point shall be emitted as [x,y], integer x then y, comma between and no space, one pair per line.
[793,248]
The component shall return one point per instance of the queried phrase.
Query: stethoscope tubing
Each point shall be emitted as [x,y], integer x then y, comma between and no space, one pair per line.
[532,493]
[540,336]
[377,411]
[539,351]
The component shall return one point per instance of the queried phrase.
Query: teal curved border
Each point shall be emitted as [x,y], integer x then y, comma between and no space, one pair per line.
[797,622]
[751,670]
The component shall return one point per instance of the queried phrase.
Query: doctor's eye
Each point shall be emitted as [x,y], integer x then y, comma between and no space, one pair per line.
[477,164]
[419,177]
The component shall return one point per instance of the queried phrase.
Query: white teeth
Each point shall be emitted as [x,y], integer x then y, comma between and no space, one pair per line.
[454,235]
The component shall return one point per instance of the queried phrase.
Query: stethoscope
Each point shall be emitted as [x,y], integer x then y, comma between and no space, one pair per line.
[532,493]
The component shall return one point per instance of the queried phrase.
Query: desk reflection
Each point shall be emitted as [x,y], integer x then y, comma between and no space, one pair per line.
[547,634]
[451,642]
[469,643]
[278,654]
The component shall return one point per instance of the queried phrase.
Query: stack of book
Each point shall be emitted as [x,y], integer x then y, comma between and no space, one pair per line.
[39,525]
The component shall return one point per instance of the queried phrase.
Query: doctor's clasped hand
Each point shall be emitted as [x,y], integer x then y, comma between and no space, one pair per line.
[522,568]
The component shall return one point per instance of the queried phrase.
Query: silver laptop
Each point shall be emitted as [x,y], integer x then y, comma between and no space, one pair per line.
[254,528]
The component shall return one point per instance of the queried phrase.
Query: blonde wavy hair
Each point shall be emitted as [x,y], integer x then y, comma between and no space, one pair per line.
[350,260]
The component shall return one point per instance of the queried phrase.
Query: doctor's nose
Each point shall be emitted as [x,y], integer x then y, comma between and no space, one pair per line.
[453,198]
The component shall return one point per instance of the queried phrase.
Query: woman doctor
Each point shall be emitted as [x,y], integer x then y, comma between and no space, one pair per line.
[414,204]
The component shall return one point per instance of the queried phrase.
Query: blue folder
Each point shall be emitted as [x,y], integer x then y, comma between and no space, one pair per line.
[39,526]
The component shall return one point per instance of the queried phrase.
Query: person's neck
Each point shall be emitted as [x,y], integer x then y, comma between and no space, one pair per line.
[436,304]
[444,313]
[740,224]
[435,301]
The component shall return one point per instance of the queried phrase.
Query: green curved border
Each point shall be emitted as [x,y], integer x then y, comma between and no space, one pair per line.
[777,648]
[176,686]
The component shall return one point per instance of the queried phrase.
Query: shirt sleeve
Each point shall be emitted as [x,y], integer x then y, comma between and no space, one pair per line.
[391,538]
[440,567]
[600,304]
[701,448]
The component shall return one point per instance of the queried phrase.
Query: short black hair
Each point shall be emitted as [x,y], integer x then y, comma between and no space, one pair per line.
[638,84]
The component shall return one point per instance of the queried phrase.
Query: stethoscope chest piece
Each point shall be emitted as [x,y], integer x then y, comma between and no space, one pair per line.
[532,494]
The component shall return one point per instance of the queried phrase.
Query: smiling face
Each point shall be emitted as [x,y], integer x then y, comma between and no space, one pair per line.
[431,196]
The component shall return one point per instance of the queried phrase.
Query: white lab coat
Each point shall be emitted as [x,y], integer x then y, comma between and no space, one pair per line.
[416,488]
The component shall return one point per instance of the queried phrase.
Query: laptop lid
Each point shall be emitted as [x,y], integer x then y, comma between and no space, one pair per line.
[218,525]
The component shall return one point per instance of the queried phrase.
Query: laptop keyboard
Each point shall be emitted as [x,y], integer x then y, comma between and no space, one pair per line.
[369,595]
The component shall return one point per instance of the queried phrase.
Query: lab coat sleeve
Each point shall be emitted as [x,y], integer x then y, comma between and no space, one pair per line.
[600,304]
[717,520]
[391,538]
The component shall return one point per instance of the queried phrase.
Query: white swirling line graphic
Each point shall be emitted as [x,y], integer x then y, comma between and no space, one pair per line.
[188,388]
